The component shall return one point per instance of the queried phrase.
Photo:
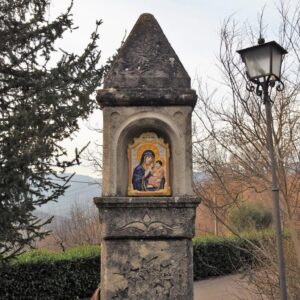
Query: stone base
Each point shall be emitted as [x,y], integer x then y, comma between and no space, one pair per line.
[147,247]
[147,269]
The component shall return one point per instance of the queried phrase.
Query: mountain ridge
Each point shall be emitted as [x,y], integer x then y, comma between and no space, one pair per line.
[81,192]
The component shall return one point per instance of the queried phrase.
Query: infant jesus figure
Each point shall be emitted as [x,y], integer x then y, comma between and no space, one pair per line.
[157,175]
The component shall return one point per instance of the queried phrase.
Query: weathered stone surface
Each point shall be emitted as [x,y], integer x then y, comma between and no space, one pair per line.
[146,97]
[147,71]
[147,60]
[147,217]
[146,247]
[147,269]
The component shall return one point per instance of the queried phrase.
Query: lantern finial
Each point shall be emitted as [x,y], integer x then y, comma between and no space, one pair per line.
[261,40]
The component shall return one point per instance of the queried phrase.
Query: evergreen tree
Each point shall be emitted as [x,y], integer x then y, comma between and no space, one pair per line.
[40,104]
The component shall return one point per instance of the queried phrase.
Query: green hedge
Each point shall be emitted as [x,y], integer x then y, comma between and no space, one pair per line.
[74,274]
[220,256]
[50,280]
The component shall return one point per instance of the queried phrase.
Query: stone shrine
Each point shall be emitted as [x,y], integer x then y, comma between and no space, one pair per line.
[147,207]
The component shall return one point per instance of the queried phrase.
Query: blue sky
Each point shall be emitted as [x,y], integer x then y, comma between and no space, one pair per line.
[191,26]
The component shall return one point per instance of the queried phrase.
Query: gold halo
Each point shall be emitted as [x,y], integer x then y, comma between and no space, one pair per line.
[162,160]
[145,147]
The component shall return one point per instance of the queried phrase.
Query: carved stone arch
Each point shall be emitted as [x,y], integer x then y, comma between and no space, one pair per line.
[134,127]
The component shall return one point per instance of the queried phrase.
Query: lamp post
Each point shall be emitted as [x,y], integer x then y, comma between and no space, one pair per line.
[263,70]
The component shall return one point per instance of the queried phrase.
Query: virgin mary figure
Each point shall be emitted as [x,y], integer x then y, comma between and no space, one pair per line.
[142,171]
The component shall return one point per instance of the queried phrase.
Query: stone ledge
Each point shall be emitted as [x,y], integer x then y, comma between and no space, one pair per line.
[147,217]
[177,201]
[146,97]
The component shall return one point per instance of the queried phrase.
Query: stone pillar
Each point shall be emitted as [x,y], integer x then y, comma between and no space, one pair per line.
[146,250]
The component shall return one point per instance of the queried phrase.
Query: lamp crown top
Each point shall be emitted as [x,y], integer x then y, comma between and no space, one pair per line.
[261,40]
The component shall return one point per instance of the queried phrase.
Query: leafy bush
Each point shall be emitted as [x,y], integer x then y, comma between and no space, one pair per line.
[214,256]
[75,274]
[250,216]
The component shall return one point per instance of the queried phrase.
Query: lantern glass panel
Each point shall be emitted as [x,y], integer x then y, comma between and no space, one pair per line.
[276,62]
[258,62]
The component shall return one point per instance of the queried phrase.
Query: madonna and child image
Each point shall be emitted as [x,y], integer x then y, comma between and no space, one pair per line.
[148,166]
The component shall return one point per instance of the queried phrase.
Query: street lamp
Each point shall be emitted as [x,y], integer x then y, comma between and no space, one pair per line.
[263,70]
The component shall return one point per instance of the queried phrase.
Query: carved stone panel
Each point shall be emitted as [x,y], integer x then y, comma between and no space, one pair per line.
[147,269]
[145,217]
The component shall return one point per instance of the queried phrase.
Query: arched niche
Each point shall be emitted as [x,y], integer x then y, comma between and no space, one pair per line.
[165,130]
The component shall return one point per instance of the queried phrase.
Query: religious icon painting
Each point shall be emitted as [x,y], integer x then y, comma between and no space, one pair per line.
[148,158]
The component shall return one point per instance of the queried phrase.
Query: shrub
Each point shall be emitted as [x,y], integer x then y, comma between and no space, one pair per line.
[250,216]
[73,274]
[214,256]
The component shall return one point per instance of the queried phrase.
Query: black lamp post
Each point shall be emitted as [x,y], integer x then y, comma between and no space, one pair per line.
[263,70]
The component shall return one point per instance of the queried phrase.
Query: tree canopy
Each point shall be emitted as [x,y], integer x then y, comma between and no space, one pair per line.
[41,102]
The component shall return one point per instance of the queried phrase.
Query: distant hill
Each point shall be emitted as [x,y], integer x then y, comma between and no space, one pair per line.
[45,216]
[82,190]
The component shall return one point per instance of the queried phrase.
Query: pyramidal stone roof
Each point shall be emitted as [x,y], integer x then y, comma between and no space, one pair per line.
[146,71]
